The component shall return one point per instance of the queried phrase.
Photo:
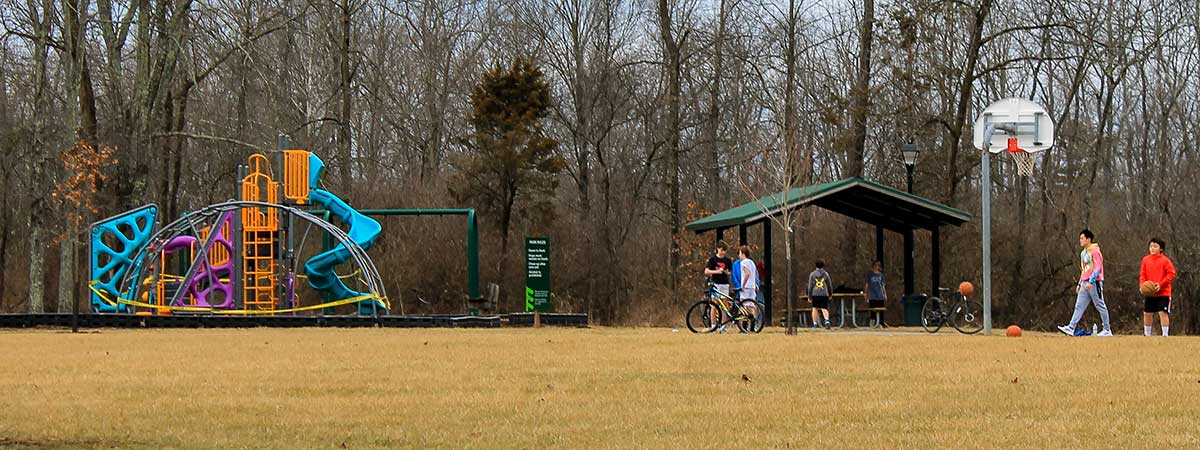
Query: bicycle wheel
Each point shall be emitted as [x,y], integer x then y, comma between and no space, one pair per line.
[699,317]
[760,319]
[931,315]
[967,316]
[754,323]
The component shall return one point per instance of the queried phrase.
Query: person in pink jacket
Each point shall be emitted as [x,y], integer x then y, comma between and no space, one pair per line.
[1091,284]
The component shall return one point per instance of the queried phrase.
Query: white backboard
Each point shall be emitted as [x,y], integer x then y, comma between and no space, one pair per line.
[1032,125]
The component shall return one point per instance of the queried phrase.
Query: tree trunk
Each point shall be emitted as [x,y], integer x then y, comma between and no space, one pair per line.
[164,186]
[178,143]
[115,31]
[861,93]
[81,79]
[39,210]
[66,269]
[964,99]
[794,174]
[797,161]
[153,31]
[4,64]
[5,225]
[347,98]
[510,197]
[672,55]
[243,86]
[712,131]
[790,289]
[1099,147]
[860,106]
[83,126]
[37,261]
[1018,275]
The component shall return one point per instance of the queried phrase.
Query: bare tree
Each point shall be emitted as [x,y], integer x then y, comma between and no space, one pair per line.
[670,16]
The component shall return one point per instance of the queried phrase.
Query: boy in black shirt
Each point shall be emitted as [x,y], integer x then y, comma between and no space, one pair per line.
[718,268]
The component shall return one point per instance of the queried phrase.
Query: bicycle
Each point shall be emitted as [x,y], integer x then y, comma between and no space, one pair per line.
[699,317]
[964,314]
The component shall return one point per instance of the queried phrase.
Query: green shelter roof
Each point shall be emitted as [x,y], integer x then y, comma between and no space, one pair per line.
[857,198]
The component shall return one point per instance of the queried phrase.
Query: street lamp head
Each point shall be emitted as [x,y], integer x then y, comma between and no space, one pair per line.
[910,152]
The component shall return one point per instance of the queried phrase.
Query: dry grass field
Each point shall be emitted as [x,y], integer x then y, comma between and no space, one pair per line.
[592,388]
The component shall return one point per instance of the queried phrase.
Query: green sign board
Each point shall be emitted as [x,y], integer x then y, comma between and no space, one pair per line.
[537,274]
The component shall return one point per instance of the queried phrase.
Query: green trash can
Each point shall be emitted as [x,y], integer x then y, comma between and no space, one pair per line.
[913,304]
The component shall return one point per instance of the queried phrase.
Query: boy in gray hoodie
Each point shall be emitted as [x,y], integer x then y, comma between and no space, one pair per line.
[820,286]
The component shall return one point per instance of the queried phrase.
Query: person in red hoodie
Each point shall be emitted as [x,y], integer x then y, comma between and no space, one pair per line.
[1157,269]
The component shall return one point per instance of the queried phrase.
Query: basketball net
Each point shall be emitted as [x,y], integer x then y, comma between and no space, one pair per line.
[1022,158]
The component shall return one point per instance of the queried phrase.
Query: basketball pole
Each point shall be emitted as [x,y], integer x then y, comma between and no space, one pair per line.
[987,228]
[987,219]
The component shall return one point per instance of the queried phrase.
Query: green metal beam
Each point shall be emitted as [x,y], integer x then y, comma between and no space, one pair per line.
[472,236]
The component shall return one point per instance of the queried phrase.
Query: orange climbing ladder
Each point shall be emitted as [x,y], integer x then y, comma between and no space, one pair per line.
[260,229]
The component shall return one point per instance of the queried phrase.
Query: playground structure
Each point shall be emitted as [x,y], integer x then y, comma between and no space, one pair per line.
[240,257]
[275,256]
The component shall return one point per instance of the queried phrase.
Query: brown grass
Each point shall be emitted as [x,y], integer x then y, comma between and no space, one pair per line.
[592,388]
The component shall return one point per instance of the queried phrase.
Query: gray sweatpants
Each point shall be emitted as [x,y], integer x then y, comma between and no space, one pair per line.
[1094,294]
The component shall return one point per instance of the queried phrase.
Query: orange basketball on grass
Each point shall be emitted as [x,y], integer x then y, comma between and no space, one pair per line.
[1013,331]
[966,288]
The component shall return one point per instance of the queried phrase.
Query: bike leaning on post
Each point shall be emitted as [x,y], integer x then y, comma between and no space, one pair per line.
[727,310]
[964,314]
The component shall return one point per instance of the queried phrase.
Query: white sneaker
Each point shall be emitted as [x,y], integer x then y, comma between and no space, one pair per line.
[1067,330]
[1104,333]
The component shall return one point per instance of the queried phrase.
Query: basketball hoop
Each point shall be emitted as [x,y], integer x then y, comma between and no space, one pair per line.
[1024,128]
[1022,158]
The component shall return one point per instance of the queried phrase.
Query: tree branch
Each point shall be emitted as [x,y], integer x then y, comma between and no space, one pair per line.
[208,138]
[196,79]
[991,37]
[1003,64]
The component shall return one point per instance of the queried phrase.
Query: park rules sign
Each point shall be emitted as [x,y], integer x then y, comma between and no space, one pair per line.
[537,274]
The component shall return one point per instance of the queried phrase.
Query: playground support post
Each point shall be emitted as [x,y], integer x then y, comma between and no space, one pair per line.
[238,249]
[472,256]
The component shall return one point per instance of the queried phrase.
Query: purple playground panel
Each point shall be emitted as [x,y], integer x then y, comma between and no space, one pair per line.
[208,277]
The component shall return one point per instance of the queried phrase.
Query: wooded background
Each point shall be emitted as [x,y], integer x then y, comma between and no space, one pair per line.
[663,110]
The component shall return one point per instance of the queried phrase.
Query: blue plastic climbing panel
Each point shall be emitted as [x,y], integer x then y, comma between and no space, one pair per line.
[114,242]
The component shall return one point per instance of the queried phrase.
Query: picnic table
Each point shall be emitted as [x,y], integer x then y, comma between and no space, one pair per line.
[843,309]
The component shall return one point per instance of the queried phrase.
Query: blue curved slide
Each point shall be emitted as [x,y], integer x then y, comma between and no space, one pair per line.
[364,231]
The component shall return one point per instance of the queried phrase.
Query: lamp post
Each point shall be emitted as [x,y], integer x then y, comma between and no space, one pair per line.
[910,152]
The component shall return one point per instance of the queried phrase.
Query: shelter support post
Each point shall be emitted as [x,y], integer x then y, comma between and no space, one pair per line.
[768,268]
[908,262]
[936,244]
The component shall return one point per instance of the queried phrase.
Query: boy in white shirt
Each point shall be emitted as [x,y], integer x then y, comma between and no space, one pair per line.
[748,276]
